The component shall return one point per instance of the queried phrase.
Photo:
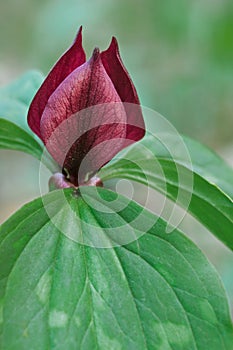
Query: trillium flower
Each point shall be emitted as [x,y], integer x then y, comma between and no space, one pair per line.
[85,112]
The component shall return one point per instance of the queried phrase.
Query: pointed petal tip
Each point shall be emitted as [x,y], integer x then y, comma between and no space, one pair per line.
[69,61]
[78,38]
[112,47]
[96,54]
[114,42]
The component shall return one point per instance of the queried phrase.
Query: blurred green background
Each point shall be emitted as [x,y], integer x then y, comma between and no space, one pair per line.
[178,52]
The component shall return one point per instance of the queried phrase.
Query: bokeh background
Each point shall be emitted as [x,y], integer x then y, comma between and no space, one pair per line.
[178,52]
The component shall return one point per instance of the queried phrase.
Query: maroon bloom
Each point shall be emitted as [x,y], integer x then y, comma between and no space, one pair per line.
[86,111]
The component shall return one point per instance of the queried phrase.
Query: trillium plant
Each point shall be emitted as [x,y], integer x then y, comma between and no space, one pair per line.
[86,266]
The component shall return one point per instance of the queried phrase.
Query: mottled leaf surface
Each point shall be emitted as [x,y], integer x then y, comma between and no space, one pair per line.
[158,292]
[202,185]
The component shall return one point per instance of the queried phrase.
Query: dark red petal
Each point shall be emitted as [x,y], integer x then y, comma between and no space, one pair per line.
[82,113]
[73,58]
[126,90]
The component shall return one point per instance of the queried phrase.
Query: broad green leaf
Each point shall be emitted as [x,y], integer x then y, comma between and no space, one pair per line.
[14,138]
[156,292]
[203,185]
[210,166]
[15,133]
[16,98]
[24,88]
[204,161]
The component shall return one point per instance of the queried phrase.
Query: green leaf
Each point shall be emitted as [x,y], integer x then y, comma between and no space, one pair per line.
[16,98]
[156,292]
[15,133]
[24,88]
[189,174]
[14,138]
[204,162]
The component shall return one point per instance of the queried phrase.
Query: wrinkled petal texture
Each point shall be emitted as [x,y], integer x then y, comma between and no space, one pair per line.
[84,118]
[71,59]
